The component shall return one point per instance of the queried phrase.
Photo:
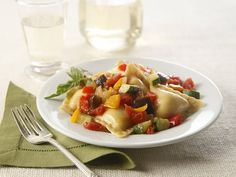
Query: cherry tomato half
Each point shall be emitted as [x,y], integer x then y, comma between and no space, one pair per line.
[98,111]
[122,67]
[174,80]
[126,99]
[84,103]
[136,117]
[188,84]
[152,96]
[111,81]
[94,126]
[176,120]
[88,90]
[150,130]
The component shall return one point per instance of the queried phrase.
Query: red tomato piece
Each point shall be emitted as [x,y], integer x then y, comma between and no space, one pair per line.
[188,84]
[88,90]
[111,82]
[176,120]
[139,117]
[122,67]
[126,99]
[129,110]
[152,96]
[84,103]
[174,80]
[150,130]
[136,117]
[98,111]
[94,126]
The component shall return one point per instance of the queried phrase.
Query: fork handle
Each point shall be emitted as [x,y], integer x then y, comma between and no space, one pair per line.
[70,156]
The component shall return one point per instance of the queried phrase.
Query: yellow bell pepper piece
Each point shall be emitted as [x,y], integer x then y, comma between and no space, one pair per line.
[75,116]
[113,101]
[142,108]
[111,90]
[118,84]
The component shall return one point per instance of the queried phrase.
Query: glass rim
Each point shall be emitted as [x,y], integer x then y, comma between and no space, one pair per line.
[39,2]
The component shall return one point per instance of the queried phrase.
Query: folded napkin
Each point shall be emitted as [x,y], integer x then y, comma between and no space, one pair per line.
[16,151]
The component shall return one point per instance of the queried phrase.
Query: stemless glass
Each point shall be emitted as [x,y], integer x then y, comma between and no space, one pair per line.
[43,26]
[110,24]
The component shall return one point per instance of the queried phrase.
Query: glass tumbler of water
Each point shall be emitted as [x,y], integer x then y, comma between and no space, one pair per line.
[110,25]
[43,26]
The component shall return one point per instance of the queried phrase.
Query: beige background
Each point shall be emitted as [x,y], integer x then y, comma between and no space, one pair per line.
[197,33]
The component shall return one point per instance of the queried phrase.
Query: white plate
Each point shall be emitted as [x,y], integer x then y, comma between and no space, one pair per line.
[59,120]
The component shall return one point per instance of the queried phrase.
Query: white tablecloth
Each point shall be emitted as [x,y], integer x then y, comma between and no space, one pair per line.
[199,34]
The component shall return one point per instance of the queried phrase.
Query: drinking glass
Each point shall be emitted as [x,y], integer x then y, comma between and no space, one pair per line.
[43,26]
[110,24]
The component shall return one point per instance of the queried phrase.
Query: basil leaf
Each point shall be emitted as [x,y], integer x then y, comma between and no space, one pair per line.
[77,78]
[62,88]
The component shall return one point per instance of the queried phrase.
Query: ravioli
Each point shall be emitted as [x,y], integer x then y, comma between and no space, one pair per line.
[71,102]
[116,121]
[133,72]
[171,102]
[139,83]
[194,104]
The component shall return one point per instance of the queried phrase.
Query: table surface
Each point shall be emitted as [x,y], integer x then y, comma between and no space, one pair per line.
[199,34]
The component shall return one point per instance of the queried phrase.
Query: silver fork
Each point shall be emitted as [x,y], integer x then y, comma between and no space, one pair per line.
[36,133]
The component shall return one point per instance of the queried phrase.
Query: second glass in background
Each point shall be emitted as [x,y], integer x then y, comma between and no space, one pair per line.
[110,24]
[43,26]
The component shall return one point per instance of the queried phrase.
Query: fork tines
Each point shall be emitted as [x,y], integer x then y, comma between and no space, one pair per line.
[26,120]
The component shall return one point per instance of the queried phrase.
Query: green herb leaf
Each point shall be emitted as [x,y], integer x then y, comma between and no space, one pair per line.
[77,78]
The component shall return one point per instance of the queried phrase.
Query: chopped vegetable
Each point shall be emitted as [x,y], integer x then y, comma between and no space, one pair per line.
[101,80]
[126,99]
[176,120]
[142,108]
[162,124]
[163,78]
[88,90]
[154,79]
[150,130]
[142,127]
[145,101]
[94,126]
[118,84]
[113,101]
[174,80]
[75,116]
[95,101]
[126,88]
[112,91]
[152,96]
[122,67]
[78,78]
[192,93]
[188,84]
[84,103]
[136,117]
[98,111]
[138,129]
[111,82]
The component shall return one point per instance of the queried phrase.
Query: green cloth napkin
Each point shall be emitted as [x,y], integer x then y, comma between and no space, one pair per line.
[16,151]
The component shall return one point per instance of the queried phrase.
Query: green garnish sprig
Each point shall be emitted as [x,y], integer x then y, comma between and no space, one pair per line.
[78,78]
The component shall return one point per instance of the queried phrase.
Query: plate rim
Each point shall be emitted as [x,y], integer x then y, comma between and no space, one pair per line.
[133,145]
